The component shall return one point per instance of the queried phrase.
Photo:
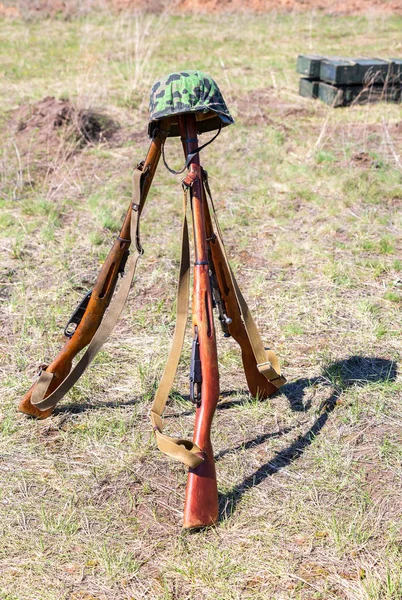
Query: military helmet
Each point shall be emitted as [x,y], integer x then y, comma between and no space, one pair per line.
[188,92]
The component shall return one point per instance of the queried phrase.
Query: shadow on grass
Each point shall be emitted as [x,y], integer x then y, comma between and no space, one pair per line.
[80,407]
[260,439]
[341,375]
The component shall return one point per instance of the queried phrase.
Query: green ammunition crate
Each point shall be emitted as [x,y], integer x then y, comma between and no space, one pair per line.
[339,81]
[349,71]
[341,71]
[396,70]
[330,94]
[345,95]
[308,88]
[372,70]
[378,93]
[309,65]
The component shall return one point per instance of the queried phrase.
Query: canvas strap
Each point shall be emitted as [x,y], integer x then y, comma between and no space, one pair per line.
[266,359]
[182,450]
[105,328]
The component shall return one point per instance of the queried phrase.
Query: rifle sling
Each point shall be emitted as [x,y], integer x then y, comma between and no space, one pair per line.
[190,156]
[105,328]
[266,360]
[182,450]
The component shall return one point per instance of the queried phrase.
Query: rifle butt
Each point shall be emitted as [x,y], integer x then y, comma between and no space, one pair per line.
[60,369]
[201,504]
[25,406]
[258,385]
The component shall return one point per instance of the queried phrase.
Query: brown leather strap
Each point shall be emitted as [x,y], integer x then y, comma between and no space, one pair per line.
[179,449]
[267,361]
[108,322]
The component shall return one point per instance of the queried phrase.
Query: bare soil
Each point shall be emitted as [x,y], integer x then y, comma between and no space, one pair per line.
[341,7]
[16,9]
[45,126]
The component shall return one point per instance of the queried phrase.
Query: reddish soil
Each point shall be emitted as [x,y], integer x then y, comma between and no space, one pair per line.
[329,6]
[350,7]
[16,8]
[9,11]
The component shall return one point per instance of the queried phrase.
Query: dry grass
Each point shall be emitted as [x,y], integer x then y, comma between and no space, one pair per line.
[309,199]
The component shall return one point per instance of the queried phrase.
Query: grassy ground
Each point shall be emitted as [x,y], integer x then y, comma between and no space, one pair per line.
[309,198]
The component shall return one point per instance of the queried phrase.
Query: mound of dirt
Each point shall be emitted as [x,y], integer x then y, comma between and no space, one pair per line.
[51,124]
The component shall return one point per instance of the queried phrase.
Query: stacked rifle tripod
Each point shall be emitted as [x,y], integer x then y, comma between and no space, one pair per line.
[182,104]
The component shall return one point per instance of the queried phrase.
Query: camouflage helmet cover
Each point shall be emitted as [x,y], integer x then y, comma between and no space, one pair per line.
[188,92]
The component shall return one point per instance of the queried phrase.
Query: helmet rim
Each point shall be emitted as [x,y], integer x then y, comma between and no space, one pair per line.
[188,92]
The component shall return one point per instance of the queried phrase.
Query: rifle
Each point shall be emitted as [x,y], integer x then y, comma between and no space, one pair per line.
[84,326]
[201,503]
[213,283]
[215,286]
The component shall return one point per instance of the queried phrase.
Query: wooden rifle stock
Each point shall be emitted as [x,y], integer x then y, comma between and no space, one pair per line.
[99,301]
[258,385]
[201,503]
[101,294]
